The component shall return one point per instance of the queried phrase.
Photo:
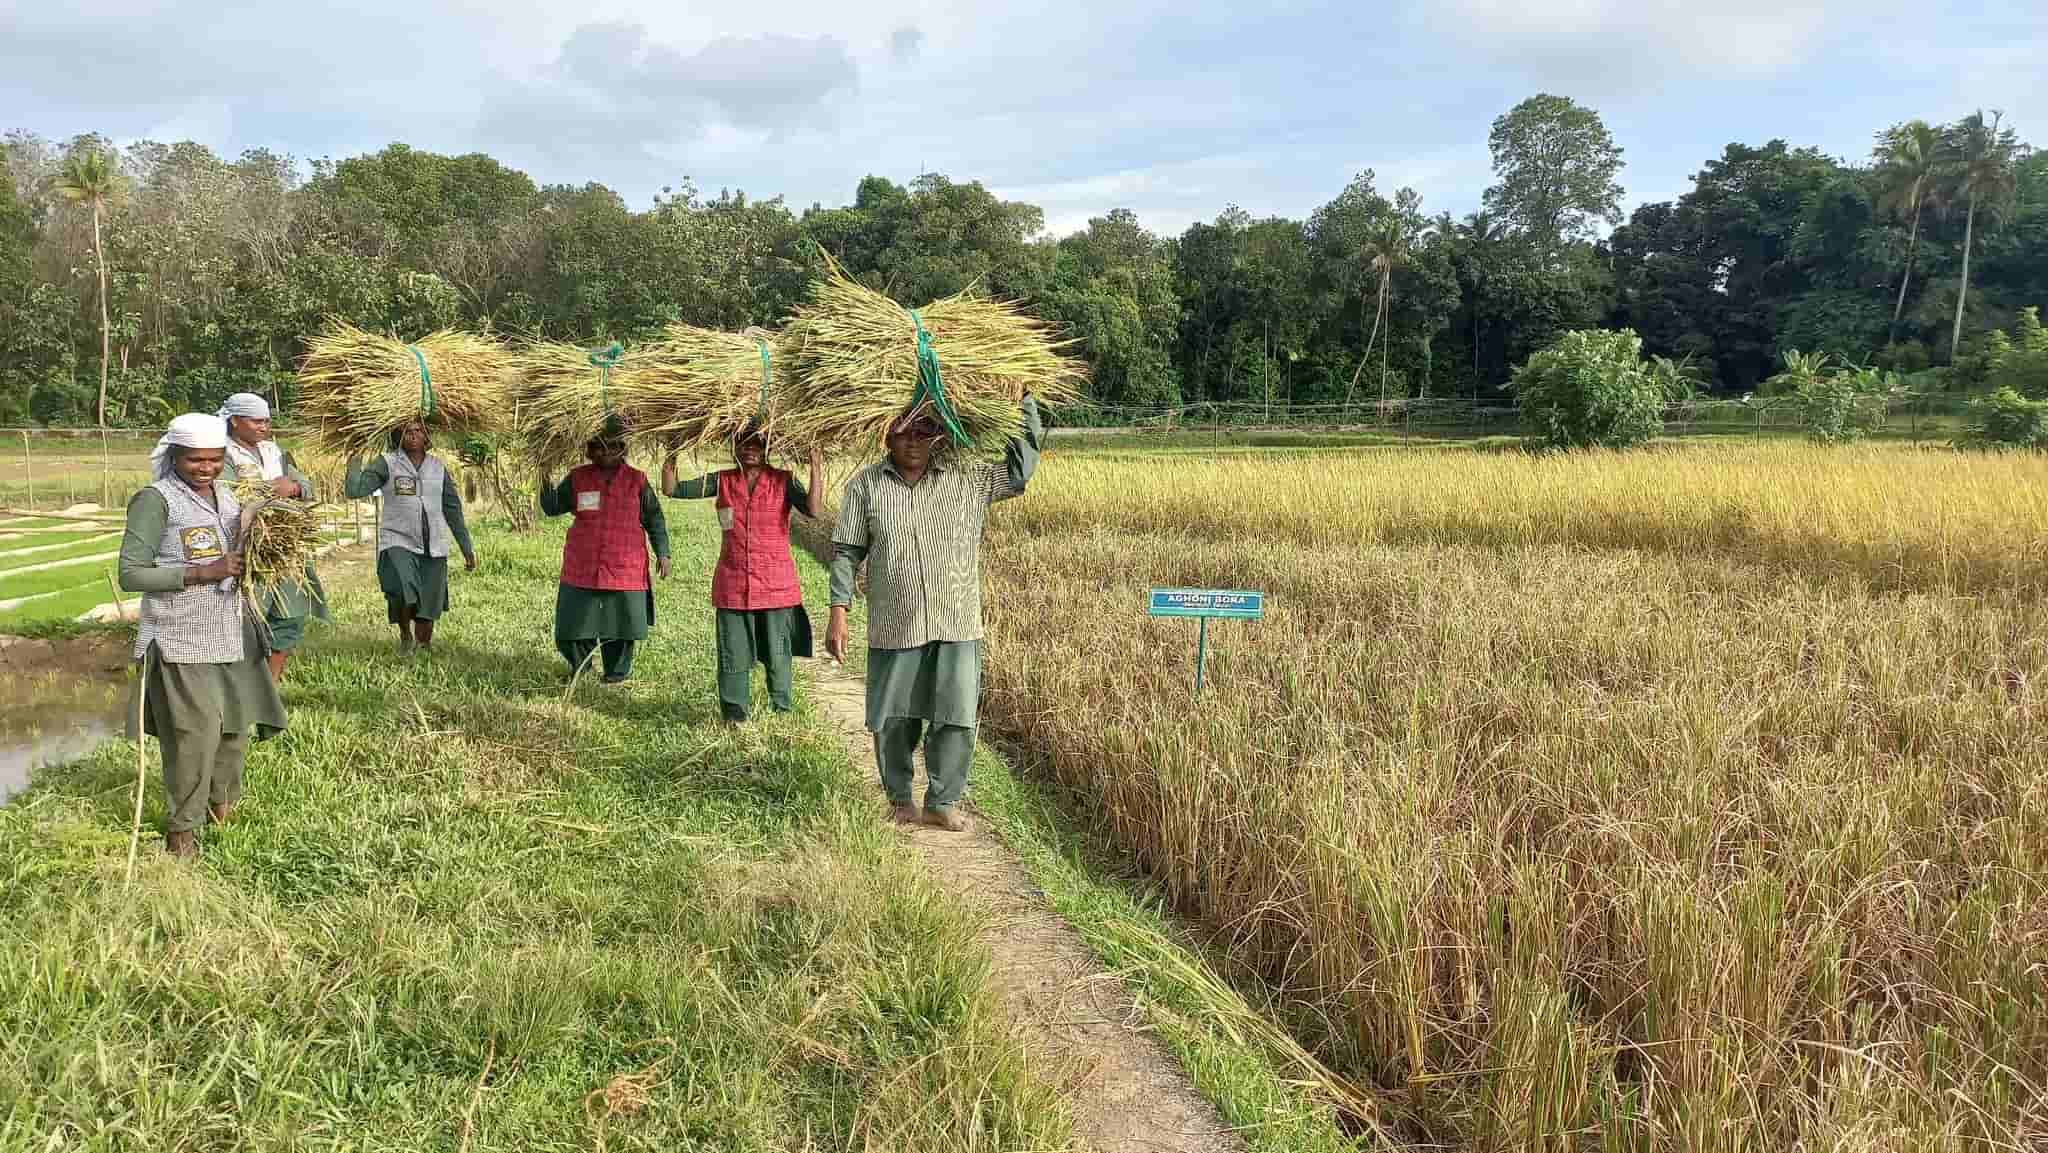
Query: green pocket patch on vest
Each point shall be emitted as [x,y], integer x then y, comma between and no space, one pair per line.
[201,542]
[406,486]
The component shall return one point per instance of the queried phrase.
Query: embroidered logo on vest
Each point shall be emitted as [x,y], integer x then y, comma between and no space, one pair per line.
[201,542]
[589,500]
[406,485]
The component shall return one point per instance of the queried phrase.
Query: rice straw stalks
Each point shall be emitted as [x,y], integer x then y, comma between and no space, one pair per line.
[356,388]
[854,365]
[280,536]
[692,388]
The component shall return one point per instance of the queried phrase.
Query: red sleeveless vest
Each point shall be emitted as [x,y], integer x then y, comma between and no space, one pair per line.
[607,546]
[755,569]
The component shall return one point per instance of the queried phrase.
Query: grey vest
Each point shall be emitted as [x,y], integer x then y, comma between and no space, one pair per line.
[199,624]
[412,519]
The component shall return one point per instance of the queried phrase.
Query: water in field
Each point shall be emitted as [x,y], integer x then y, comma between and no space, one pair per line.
[58,701]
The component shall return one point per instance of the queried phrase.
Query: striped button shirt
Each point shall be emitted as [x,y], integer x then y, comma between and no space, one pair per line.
[922,542]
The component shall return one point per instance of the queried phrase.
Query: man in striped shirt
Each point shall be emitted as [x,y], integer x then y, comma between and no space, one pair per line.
[916,519]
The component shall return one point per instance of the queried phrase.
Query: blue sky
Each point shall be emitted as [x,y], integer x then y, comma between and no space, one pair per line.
[1174,110]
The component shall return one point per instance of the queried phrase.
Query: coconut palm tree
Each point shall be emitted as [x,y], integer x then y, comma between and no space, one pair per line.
[92,177]
[1908,160]
[1978,163]
[1388,243]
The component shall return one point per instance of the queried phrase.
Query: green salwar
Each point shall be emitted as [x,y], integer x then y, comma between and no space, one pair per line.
[931,693]
[288,609]
[613,619]
[767,637]
[415,585]
[201,714]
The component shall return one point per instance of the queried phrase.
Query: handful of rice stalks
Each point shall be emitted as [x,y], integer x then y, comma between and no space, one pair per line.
[356,387]
[691,389]
[854,366]
[279,538]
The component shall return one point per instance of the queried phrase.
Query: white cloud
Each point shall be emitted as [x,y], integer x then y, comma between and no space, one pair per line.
[1623,46]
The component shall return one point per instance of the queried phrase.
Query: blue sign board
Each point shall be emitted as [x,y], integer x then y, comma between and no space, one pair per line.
[1221,604]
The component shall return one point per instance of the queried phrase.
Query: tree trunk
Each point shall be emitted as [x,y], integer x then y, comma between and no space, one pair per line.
[1360,370]
[1912,247]
[1955,339]
[99,257]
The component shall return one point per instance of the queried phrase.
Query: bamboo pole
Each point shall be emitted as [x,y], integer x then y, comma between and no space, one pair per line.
[106,474]
[141,762]
[28,469]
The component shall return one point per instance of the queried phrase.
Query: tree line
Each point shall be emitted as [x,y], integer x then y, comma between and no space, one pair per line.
[146,280]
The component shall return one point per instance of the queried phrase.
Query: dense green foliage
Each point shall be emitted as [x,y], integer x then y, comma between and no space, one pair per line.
[217,269]
[1592,388]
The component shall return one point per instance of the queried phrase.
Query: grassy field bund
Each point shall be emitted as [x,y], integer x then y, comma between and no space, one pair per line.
[1691,799]
[460,911]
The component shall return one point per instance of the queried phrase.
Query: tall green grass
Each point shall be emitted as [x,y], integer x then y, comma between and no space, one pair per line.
[460,911]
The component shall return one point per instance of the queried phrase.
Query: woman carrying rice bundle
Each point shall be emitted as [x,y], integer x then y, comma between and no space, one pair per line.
[253,454]
[422,516]
[204,683]
[606,601]
[759,603]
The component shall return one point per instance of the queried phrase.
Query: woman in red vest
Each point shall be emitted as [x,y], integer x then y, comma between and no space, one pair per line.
[606,601]
[759,602]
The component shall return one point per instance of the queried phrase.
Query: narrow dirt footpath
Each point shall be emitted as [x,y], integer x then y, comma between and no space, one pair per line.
[1130,1095]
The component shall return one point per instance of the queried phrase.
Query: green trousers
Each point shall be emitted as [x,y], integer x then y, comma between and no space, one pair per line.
[616,655]
[747,638]
[948,751]
[202,764]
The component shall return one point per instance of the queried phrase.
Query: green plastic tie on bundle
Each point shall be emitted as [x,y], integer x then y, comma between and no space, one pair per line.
[426,383]
[605,358]
[931,386]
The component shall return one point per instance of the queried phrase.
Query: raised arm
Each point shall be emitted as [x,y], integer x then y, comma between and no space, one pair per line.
[365,479]
[556,499]
[1020,456]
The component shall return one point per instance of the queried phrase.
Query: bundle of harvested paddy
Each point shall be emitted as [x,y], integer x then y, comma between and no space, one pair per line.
[692,389]
[279,537]
[355,387]
[854,365]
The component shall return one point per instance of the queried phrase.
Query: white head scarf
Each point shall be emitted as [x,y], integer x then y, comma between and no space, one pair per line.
[192,430]
[245,404]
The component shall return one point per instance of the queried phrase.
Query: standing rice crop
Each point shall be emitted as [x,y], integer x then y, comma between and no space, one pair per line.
[854,364]
[356,387]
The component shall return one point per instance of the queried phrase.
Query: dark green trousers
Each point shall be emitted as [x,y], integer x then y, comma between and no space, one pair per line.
[747,638]
[948,752]
[617,656]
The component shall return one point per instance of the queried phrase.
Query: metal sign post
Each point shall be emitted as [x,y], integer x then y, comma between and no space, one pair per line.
[1204,605]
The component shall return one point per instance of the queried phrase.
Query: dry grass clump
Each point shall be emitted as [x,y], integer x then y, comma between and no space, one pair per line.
[692,389]
[1557,848]
[280,536]
[854,365]
[355,387]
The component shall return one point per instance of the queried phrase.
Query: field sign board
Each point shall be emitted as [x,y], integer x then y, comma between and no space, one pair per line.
[1207,605]
[1218,603]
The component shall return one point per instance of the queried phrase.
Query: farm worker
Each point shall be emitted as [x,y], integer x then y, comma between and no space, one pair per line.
[916,518]
[757,602]
[251,452]
[605,600]
[204,683]
[422,516]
